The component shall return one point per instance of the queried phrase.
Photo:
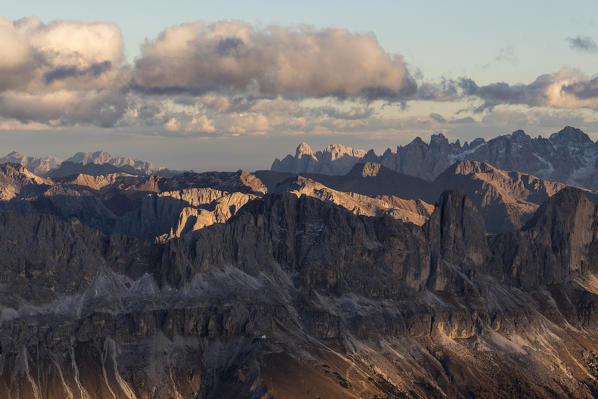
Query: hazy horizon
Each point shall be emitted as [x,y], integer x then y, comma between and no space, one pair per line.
[253,153]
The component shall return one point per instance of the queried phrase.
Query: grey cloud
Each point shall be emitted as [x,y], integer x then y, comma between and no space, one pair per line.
[446,90]
[229,46]
[102,108]
[583,90]
[437,117]
[235,58]
[500,93]
[352,114]
[62,73]
[564,89]
[505,54]
[440,119]
[71,71]
[583,43]
[458,121]
[36,55]
[148,112]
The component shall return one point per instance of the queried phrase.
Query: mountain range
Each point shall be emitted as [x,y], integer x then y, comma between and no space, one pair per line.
[95,163]
[569,157]
[370,282]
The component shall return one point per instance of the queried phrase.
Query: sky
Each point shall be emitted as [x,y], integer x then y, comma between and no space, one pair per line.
[233,84]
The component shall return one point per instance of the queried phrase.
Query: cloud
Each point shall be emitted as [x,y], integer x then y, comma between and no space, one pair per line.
[98,107]
[437,117]
[232,78]
[564,89]
[69,71]
[458,121]
[583,90]
[247,124]
[352,114]
[237,58]
[196,124]
[583,43]
[59,55]
[62,73]
[505,54]
[446,90]
[537,119]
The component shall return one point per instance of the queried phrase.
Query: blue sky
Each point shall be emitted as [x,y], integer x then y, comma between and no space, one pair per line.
[487,43]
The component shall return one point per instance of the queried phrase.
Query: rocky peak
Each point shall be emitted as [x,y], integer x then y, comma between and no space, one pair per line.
[90,157]
[570,136]
[11,167]
[239,181]
[368,169]
[338,151]
[14,178]
[438,140]
[370,156]
[557,245]
[252,182]
[467,167]
[416,142]
[520,136]
[302,150]
[566,157]
[15,171]
[565,211]
[14,154]
[102,157]
[457,231]
[39,166]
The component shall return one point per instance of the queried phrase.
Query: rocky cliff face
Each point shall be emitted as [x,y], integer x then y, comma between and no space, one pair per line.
[413,211]
[555,245]
[336,159]
[295,297]
[506,200]
[159,208]
[151,208]
[568,156]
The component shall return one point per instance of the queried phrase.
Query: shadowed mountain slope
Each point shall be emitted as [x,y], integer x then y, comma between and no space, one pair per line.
[298,298]
[505,199]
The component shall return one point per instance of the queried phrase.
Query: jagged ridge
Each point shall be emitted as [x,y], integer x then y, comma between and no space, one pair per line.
[568,156]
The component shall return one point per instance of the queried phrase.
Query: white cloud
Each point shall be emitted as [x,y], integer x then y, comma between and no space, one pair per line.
[60,55]
[196,124]
[567,88]
[247,124]
[234,57]
[65,72]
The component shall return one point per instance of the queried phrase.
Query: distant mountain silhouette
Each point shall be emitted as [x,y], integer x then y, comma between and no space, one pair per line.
[568,156]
